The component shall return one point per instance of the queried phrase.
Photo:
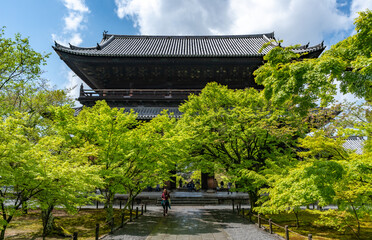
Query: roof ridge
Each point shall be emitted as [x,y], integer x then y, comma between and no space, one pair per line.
[269,35]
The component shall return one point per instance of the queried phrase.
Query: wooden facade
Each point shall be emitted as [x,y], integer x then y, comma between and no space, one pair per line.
[161,71]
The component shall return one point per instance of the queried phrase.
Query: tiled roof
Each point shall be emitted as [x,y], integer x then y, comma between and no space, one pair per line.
[179,46]
[354,143]
[146,113]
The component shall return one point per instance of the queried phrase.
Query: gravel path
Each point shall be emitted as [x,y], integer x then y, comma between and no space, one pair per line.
[189,223]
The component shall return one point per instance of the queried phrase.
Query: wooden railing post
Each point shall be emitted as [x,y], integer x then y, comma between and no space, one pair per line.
[97,231]
[310,237]
[130,215]
[97,204]
[122,219]
[259,221]
[233,205]
[286,232]
[136,212]
[270,227]
[112,225]
[75,236]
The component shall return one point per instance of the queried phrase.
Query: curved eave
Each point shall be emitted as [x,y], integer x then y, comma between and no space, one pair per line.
[87,54]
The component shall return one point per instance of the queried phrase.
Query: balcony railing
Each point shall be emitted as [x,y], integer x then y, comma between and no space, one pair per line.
[155,94]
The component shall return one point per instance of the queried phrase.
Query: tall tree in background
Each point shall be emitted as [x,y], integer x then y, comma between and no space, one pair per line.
[238,131]
[19,63]
[329,172]
[107,130]
[151,155]
[293,80]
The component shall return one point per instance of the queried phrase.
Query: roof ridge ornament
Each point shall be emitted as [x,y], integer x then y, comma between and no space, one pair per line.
[105,34]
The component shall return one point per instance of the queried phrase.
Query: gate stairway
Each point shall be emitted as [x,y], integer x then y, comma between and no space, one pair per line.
[189,198]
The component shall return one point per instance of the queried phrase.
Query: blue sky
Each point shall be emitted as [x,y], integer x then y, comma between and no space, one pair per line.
[82,22]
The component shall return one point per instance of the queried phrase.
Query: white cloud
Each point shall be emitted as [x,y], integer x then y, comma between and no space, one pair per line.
[176,16]
[73,21]
[294,21]
[76,39]
[76,5]
[360,5]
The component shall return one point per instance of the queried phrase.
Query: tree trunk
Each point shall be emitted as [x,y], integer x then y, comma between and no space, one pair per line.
[24,205]
[2,233]
[48,221]
[109,207]
[252,199]
[356,217]
[297,222]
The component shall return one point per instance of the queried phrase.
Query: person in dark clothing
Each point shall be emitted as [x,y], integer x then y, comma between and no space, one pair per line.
[165,201]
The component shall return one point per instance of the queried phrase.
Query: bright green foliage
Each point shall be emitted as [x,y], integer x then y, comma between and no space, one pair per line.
[329,174]
[107,130]
[40,169]
[294,81]
[150,155]
[33,99]
[15,171]
[67,177]
[353,190]
[19,63]
[308,183]
[128,155]
[237,131]
[299,82]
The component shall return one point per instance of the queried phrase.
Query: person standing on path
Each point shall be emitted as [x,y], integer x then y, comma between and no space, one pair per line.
[165,201]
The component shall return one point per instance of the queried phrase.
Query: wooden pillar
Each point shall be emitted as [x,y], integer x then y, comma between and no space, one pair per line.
[259,221]
[286,232]
[122,219]
[204,181]
[270,227]
[173,184]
